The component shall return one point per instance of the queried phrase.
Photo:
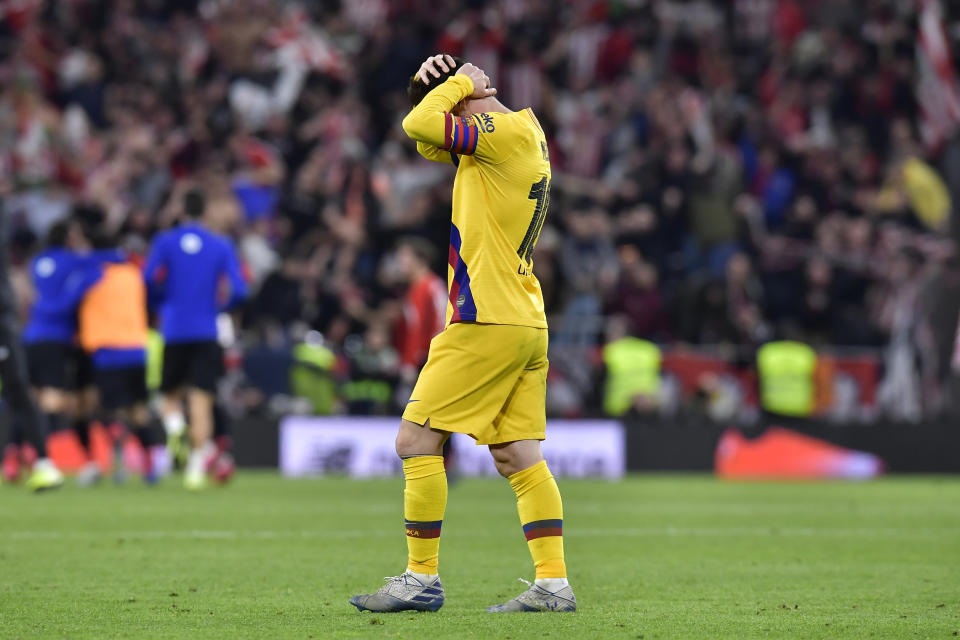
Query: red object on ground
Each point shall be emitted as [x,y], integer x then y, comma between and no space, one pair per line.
[11,463]
[67,453]
[221,468]
[781,453]
[17,459]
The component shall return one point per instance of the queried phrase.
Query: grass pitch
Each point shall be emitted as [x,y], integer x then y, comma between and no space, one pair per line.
[650,557]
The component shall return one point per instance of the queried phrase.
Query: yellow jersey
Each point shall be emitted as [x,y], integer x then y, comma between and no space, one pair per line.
[500,198]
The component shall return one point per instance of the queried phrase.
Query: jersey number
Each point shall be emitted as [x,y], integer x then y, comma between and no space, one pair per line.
[540,191]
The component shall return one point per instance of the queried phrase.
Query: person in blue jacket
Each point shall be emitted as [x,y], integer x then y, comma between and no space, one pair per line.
[185,272]
[58,369]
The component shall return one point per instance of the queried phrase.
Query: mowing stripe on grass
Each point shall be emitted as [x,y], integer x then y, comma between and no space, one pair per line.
[877,532]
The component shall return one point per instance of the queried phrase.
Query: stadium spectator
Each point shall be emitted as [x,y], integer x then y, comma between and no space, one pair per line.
[766,161]
[424,306]
[372,373]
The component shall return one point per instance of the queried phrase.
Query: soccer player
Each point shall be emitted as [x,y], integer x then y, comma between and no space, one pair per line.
[58,368]
[486,373]
[185,269]
[113,330]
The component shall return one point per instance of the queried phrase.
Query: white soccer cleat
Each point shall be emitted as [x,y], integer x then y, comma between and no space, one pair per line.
[44,476]
[195,480]
[402,593]
[536,598]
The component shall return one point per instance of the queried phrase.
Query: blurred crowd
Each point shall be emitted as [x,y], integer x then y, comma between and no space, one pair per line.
[725,172]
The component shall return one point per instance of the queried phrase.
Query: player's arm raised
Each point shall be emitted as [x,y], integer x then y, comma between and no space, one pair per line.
[432,123]
[428,72]
[434,153]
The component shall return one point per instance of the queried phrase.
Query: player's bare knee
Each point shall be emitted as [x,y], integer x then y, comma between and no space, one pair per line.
[405,443]
[417,440]
[513,457]
[504,468]
[504,460]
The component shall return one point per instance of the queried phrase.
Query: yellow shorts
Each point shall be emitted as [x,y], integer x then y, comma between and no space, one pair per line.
[488,381]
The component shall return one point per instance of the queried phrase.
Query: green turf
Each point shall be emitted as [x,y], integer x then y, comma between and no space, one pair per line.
[651,557]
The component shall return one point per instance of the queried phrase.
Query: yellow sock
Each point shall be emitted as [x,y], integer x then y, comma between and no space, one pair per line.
[541,514]
[424,501]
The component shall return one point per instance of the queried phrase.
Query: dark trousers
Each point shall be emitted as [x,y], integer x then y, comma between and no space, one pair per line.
[13,367]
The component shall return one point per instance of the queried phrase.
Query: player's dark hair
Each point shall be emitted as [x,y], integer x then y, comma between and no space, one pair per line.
[104,240]
[89,216]
[57,234]
[420,248]
[194,203]
[417,91]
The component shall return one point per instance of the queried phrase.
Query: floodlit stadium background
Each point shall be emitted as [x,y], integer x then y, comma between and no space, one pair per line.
[726,174]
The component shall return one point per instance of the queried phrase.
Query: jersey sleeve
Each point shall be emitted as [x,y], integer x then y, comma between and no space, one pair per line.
[435,154]
[75,288]
[491,137]
[239,291]
[156,261]
[155,273]
[430,121]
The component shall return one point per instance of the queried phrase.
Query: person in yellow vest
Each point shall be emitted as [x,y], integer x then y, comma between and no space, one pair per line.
[113,330]
[311,374]
[633,372]
[787,375]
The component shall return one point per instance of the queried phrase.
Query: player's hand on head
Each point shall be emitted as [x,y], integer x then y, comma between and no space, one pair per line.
[481,83]
[433,66]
